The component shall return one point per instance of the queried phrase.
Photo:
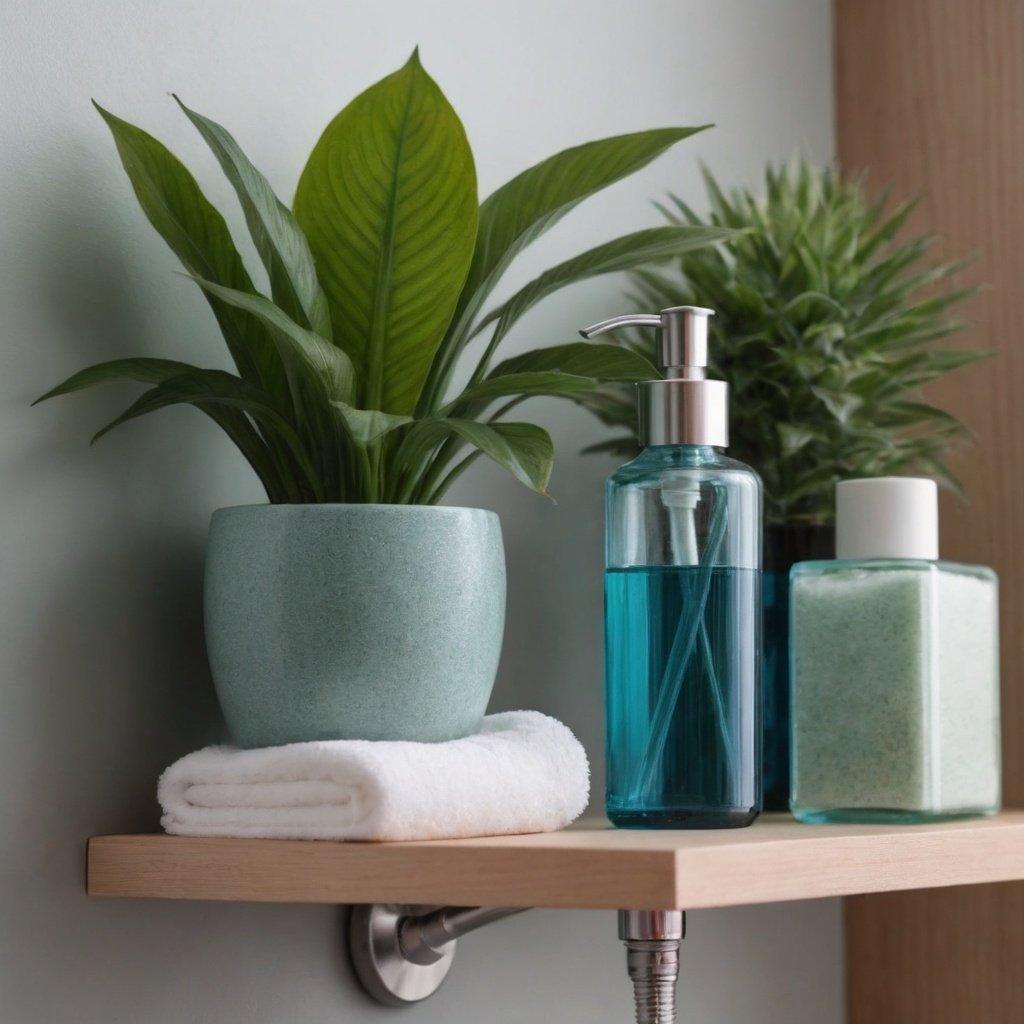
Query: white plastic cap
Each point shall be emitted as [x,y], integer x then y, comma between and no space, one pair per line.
[887,517]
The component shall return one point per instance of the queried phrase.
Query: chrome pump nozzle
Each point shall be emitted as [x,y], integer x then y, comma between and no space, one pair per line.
[684,338]
[685,407]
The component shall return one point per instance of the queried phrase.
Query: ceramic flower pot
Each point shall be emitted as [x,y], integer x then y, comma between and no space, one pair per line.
[378,622]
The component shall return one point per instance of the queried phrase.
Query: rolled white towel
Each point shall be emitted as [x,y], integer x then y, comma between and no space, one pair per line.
[523,772]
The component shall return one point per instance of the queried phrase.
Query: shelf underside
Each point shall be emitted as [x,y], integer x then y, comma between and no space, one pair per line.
[589,865]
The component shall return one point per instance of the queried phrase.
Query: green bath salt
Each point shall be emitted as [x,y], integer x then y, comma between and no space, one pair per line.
[895,690]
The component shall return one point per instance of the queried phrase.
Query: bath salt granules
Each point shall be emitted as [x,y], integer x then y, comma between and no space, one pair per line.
[895,689]
[894,670]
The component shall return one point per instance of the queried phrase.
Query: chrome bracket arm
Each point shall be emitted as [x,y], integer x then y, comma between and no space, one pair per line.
[401,954]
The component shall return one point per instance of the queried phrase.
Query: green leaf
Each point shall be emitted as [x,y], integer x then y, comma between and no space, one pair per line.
[118,371]
[794,437]
[196,386]
[584,359]
[940,361]
[388,202]
[317,373]
[724,210]
[278,238]
[921,412]
[218,393]
[623,253]
[369,425]
[235,424]
[534,201]
[523,449]
[197,234]
[527,206]
[567,371]
[614,406]
[331,366]
[804,305]
[889,229]
[563,385]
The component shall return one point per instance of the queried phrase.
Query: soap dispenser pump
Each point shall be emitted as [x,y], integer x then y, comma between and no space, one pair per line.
[682,601]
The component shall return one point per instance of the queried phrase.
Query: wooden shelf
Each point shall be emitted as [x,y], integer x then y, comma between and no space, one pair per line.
[589,865]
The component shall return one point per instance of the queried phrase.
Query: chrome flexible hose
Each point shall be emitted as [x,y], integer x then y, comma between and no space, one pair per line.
[653,968]
[652,958]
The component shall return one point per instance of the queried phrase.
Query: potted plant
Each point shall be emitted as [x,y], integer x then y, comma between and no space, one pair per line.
[824,331]
[350,606]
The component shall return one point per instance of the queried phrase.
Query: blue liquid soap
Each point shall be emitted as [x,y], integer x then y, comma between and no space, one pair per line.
[704,773]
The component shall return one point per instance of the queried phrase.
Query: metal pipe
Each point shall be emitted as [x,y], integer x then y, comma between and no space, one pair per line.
[652,939]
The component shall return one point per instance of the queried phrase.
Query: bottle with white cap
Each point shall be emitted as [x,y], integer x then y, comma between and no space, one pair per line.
[682,602]
[894,668]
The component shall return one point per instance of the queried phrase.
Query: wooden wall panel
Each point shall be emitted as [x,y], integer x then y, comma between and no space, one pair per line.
[939,955]
[930,96]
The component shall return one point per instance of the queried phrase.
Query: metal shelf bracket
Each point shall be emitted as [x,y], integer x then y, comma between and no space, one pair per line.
[402,954]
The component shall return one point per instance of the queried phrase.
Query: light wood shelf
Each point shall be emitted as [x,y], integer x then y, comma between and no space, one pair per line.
[588,866]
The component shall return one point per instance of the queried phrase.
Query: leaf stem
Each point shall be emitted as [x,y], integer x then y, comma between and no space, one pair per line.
[453,474]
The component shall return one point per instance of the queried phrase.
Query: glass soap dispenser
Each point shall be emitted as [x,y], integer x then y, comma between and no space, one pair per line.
[682,602]
[894,668]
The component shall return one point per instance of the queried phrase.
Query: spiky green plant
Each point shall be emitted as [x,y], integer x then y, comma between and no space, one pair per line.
[378,282]
[825,331]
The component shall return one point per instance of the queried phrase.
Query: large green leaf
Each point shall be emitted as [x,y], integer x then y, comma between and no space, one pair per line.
[198,236]
[229,400]
[278,238]
[330,365]
[554,382]
[258,452]
[195,386]
[118,371]
[369,425]
[388,202]
[523,449]
[582,358]
[318,373]
[565,371]
[646,246]
[527,206]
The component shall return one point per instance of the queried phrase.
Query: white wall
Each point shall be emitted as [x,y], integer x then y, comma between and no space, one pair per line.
[102,676]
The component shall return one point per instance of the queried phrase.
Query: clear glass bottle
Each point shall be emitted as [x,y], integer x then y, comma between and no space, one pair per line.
[683,604]
[894,668]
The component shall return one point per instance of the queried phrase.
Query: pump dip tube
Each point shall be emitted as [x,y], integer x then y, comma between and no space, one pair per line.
[682,602]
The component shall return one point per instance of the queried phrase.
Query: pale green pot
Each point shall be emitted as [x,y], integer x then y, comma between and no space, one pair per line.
[376,622]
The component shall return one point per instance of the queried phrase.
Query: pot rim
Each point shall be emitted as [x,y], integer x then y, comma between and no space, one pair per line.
[353,506]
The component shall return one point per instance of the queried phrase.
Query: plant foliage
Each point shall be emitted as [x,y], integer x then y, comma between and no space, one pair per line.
[376,283]
[824,330]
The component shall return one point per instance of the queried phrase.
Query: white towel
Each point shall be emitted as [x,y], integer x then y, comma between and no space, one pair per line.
[523,772]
